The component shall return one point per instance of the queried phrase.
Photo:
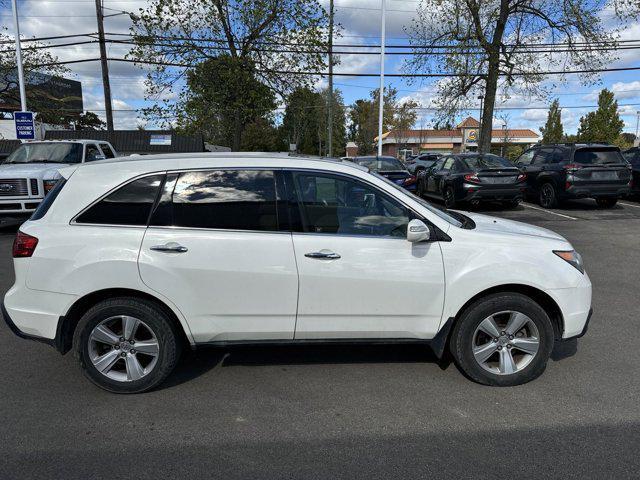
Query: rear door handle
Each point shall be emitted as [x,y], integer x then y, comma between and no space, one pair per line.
[323,255]
[171,247]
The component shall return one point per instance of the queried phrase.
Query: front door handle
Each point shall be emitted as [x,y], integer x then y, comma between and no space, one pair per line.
[323,255]
[171,247]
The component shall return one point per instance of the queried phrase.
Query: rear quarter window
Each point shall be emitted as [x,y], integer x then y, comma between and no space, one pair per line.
[128,205]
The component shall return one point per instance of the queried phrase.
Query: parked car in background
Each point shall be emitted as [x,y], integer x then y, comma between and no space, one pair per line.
[576,170]
[473,177]
[389,167]
[633,157]
[31,170]
[422,162]
[128,262]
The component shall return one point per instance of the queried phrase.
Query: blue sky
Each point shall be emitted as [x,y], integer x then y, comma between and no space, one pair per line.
[360,22]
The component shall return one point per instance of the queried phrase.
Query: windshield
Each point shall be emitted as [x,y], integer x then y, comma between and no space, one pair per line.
[46,153]
[380,164]
[487,161]
[443,214]
[592,156]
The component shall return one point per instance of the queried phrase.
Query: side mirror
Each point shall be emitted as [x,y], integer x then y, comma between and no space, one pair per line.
[417,231]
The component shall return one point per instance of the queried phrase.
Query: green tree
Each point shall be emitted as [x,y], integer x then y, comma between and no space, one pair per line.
[491,46]
[301,121]
[603,125]
[223,97]
[187,33]
[88,121]
[363,119]
[552,131]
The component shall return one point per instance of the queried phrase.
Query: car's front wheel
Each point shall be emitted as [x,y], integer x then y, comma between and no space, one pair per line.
[503,339]
[449,197]
[126,345]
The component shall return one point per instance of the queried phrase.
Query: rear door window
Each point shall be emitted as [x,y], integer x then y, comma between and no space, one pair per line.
[128,205]
[525,158]
[219,199]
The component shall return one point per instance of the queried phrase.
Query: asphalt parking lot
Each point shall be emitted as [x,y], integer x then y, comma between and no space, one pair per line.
[348,412]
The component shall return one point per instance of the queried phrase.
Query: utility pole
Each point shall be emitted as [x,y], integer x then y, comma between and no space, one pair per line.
[105,66]
[330,106]
[381,93]
[23,95]
[637,123]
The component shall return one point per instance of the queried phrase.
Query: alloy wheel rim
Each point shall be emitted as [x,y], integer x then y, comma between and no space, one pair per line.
[505,342]
[448,197]
[123,348]
[547,194]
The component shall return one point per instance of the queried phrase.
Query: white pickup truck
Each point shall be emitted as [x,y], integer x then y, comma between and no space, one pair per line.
[32,170]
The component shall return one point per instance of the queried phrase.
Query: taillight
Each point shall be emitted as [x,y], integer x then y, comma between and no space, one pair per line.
[522,177]
[409,180]
[471,177]
[24,245]
[572,167]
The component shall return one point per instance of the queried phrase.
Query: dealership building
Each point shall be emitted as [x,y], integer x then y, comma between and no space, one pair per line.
[463,138]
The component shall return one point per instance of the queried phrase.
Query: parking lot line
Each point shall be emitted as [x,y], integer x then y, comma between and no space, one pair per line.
[629,205]
[548,211]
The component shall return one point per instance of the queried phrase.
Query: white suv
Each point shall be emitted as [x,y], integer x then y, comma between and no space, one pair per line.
[32,170]
[126,263]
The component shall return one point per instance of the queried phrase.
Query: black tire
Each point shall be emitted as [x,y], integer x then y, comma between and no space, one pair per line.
[462,338]
[548,195]
[606,202]
[449,197]
[157,321]
[419,184]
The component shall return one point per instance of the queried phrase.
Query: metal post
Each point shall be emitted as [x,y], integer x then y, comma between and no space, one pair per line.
[105,67]
[381,93]
[23,94]
[330,106]
[637,123]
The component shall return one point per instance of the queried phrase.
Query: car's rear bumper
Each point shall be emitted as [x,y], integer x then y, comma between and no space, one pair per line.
[483,192]
[35,314]
[597,191]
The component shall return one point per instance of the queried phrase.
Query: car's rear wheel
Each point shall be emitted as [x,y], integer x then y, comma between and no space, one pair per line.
[548,195]
[606,202]
[503,340]
[449,197]
[126,345]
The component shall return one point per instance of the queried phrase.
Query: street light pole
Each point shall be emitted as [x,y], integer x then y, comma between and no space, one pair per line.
[637,123]
[330,106]
[105,66]
[23,94]
[381,93]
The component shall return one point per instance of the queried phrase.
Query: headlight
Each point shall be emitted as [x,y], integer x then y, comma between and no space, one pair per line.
[572,257]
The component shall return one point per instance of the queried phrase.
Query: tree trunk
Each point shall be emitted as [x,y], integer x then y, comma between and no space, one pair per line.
[491,87]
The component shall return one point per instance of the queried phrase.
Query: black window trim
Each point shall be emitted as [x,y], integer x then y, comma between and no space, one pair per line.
[438,234]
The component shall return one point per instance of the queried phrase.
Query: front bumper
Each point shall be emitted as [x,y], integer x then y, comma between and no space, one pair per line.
[19,206]
[597,191]
[575,305]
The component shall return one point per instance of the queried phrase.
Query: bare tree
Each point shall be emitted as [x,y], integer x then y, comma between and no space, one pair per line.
[506,45]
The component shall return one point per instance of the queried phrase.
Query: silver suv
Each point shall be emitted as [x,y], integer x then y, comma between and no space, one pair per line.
[32,170]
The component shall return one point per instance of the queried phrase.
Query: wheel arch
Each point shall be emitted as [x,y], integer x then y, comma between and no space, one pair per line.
[67,323]
[541,298]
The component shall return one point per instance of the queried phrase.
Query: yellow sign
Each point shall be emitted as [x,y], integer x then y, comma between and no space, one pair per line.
[472,137]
